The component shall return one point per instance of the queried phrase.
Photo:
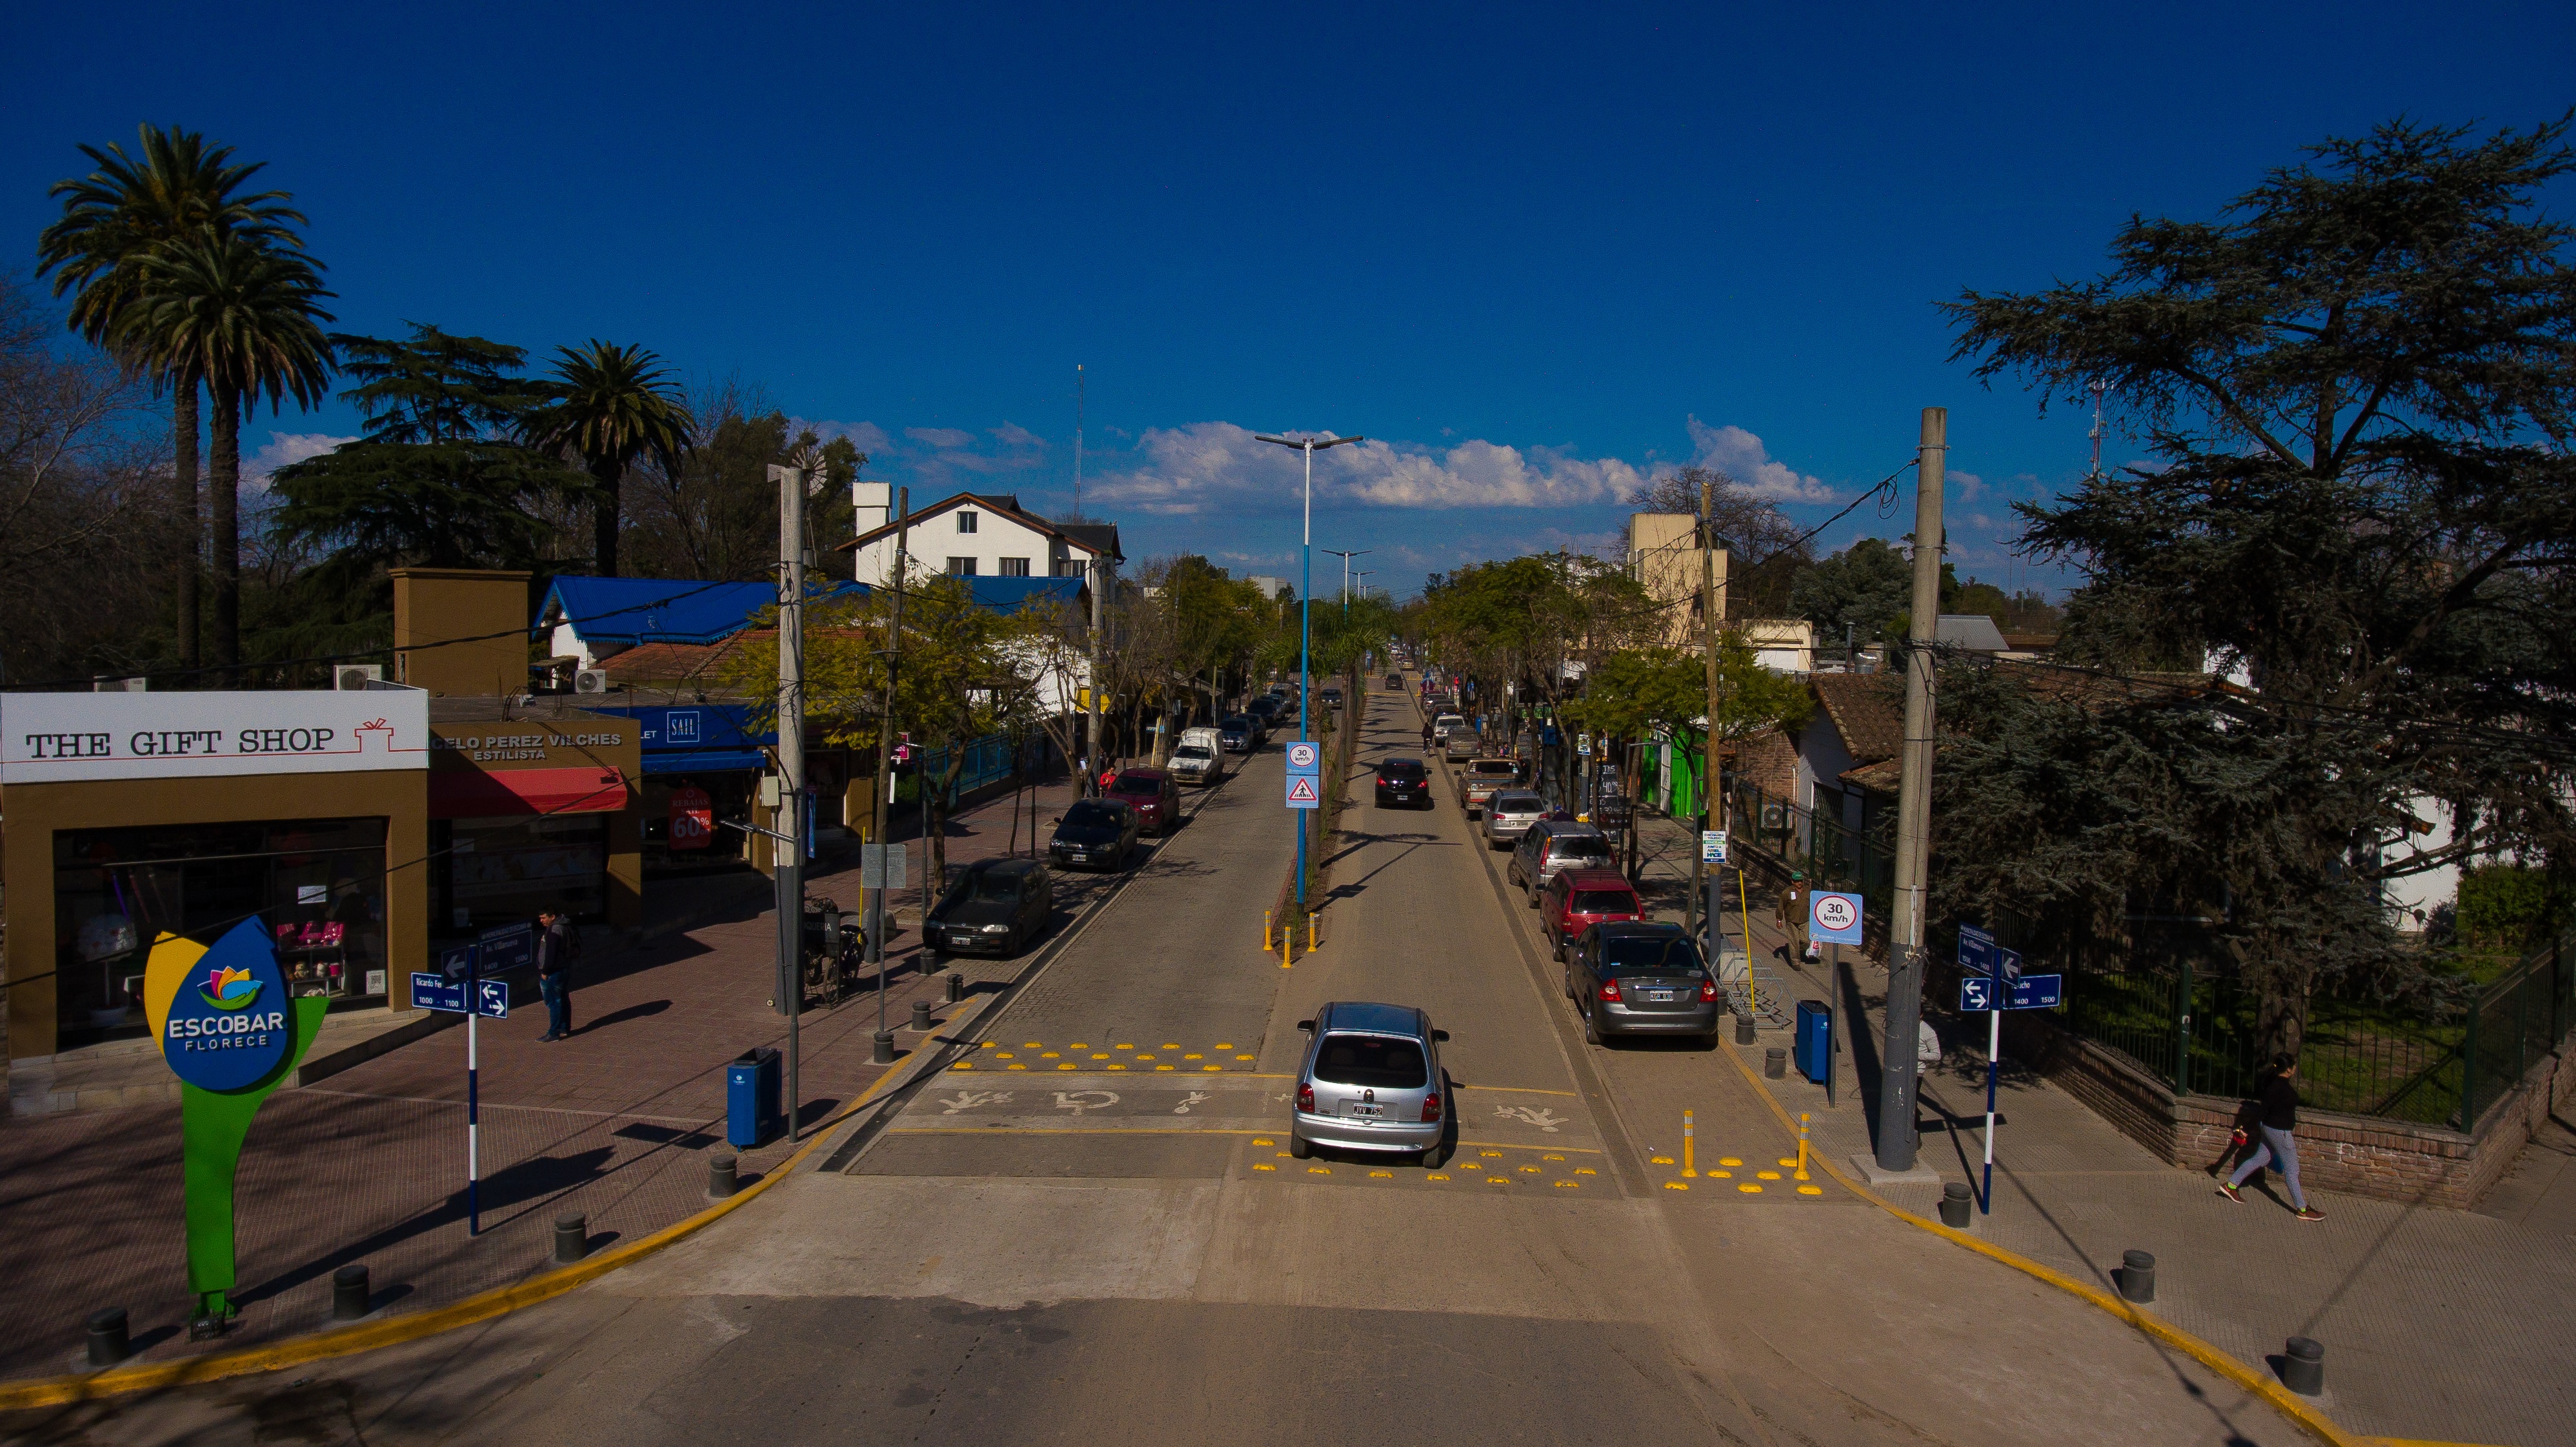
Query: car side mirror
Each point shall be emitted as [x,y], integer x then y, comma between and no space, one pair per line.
[1440,1035]
[1306,1025]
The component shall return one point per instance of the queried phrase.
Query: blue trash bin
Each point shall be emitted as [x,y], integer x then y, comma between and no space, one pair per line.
[751,1097]
[1813,1044]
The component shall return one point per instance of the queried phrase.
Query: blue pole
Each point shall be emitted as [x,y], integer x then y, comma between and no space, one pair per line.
[1305,637]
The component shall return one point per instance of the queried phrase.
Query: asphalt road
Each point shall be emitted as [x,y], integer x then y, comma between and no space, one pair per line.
[1095,1233]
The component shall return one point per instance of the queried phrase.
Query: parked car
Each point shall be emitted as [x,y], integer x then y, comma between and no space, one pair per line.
[1577,899]
[1403,781]
[1240,733]
[1551,845]
[1462,744]
[1395,680]
[1096,832]
[1509,814]
[1445,724]
[995,908]
[1155,796]
[1199,758]
[1371,1081]
[1640,979]
[1481,779]
[1264,713]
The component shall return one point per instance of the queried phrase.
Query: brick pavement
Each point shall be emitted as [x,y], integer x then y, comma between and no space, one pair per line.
[2437,1324]
[617,1122]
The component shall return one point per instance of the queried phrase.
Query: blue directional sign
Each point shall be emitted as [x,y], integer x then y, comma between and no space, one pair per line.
[507,948]
[2030,992]
[1980,955]
[492,999]
[437,992]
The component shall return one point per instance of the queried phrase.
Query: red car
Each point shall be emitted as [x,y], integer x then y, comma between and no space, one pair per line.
[1155,795]
[1577,899]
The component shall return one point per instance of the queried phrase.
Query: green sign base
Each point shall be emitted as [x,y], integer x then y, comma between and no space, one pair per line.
[212,1127]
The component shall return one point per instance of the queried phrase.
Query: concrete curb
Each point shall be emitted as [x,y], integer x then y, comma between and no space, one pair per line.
[370,1336]
[2280,1398]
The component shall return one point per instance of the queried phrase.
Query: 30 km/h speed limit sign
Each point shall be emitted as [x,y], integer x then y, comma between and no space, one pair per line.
[1834,919]
[1305,758]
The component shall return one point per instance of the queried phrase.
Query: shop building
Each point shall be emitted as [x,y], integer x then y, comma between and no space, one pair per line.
[532,807]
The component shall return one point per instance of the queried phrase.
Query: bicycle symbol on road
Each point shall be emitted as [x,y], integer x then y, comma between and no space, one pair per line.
[973,1099]
[1545,1120]
[1195,1097]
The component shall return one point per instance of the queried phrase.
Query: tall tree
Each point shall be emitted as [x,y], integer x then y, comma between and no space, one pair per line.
[246,317]
[175,186]
[715,516]
[610,405]
[2359,384]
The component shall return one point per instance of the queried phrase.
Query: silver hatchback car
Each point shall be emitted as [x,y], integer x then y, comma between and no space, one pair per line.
[1371,1081]
[1509,814]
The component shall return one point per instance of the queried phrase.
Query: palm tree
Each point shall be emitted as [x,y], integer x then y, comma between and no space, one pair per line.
[245,317]
[611,405]
[176,185]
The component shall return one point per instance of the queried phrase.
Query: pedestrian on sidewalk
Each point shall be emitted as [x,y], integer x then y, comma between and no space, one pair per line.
[1792,908]
[2280,1117]
[557,943]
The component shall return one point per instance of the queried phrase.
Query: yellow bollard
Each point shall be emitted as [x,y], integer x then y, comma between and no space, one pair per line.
[1688,1168]
[1285,941]
[1802,1145]
[1265,931]
[1310,934]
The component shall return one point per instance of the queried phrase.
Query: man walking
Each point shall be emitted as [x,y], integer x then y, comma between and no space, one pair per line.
[555,949]
[2280,1116]
[1792,908]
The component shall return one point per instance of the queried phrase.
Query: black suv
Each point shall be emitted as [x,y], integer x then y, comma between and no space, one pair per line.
[1403,781]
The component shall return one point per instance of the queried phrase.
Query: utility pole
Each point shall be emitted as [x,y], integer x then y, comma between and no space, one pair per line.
[1710,805]
[789,851]
[1098,569]
[1905,945]
[884,1052]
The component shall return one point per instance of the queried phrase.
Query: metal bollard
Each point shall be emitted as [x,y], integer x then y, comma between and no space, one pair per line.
[884,1053]
[1775,1063]
[108,1342]
[349,1293]
[921,1015]
[2138,1276]
[956,987]
[1744,1030]
[1956,1202]
[572,1237]
[2303,1366]
[721,1181]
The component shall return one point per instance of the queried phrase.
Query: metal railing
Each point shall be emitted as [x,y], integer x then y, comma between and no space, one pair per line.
[1832,854]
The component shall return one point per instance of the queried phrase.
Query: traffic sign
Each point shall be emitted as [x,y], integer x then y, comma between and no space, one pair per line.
[2030,992]
[1980,955]
[506,948]
[1833,919]
[1305,757]
[1712,846]
[1302,793]
[437,992]
[492,999]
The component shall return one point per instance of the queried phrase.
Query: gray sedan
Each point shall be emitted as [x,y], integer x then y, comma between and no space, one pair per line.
[1640,979]
[1371,1081]
[1509,814]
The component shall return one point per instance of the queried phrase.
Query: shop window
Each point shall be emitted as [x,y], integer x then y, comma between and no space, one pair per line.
[1015,567]
[505,870]
[317,885]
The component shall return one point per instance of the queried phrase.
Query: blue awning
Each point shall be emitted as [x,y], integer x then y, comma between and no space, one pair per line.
[703,761]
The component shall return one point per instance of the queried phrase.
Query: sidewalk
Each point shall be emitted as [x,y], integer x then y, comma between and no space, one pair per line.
[617,1123]
[2437,1324]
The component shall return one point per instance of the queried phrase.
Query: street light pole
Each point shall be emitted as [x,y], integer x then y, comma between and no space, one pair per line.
[1346,572]
[1305,617]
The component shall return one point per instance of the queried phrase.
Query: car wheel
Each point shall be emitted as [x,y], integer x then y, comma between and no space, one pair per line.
[1529,897]
[1299,1147]
[1434,1158]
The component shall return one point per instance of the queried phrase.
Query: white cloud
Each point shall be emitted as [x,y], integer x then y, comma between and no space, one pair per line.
[1012,434]
[1190,469]
[1970,485]
[1740,455]
[284,448]
[943,438]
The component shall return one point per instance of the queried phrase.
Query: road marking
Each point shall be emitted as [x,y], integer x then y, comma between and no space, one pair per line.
[1225,1045]
[1191,1056]
[1585,1171]
[1811,1190]
[1661,1160]
[1721,1175]
[1319,1170]
[971,1099]
[1168,1045]
[1489,1153]
[1117,1067]
[1006,1055]
[1078,1045]
[1195,1097]
[1469,1166]
[1551,1158]
[1766,1175]
[1676,1185]
[1050,1055]
[1264,1141]
[1498,1180]
[1158,1067]
[990,1045]
[1263,1166]
[1031,1044]
[1068,1065]
[1788,1160]
[1748,1188]
[1122,1045]
[1079,1101]
[1378,1175]
[1239,1057]
[1728,1161]
[1016,1067]
[1533,1170]
[1435,1176]
[1218,1069]
[963,1065]
[1144,1057]
[1571,1185]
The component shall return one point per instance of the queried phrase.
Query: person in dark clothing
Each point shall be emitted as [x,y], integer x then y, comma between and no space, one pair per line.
[555,949]
[2278,1117]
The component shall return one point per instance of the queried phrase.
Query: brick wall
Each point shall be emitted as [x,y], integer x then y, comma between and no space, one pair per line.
[2353,1155]
[1769,762]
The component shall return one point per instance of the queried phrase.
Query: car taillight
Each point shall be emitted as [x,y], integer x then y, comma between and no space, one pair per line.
[1610,991]
[1707,990]
[1306,1099]
[1431,1108]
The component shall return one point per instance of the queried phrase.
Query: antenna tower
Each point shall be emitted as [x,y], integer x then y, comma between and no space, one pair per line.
[1077,439]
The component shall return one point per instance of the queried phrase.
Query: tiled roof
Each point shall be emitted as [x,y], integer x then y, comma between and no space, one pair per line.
[1867,709]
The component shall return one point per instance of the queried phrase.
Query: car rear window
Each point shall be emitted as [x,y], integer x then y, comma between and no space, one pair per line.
[1401,769]
[1373,1061]
[1517,804]
[1579,846]
[1137,784]
[1649,954]
[1493,769]
[1603,901]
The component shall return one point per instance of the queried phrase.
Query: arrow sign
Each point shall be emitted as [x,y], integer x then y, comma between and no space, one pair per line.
[1305,758]
[492,999]
[1980,955]
[2030,992]
[1302,793]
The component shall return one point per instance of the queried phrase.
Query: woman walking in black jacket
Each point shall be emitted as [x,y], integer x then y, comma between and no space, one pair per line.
[2278,1118]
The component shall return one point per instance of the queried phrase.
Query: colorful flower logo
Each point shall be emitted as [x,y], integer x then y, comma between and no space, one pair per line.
[229,988]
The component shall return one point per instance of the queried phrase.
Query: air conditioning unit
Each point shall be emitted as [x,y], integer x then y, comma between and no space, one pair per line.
[355,677]
[590,680]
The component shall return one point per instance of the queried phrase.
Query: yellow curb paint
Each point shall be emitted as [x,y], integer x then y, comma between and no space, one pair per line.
[2261,1384]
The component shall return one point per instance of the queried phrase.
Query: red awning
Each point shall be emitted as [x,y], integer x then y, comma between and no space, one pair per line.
[474,794]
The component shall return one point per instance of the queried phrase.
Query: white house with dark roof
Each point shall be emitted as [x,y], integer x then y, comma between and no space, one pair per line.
[976,535]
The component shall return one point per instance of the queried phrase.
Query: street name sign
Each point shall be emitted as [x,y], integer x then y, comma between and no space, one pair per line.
[2030,992]
[1980,955]
[437,992]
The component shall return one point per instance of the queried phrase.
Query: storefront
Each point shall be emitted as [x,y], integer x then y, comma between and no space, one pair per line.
[124,816]
[701,767]
[532,808]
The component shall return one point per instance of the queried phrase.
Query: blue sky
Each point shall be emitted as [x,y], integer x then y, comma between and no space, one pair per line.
[1540,252]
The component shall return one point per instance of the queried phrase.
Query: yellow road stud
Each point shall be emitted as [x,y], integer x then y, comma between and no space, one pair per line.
[1676,1185]
[1748,1188]
[1263,1166]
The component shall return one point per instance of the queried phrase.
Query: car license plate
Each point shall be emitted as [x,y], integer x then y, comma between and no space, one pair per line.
[1659,997]
[1079,858]
[1365,1111]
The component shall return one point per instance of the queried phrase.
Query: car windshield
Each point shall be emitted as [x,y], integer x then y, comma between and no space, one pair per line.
[1137,784]
[1579,846]
[1649,954]
[1603,901]
[1373,1061]
[1190,751]
[1516,804]
[993,884]
[1238,723]
[1088,815]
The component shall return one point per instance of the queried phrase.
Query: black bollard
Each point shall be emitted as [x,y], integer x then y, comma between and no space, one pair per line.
[956,987]
[1775,1063]
[1956,1201]
[884,1054]
[921,1015]
[2138,1276]
[349,1293]
[2303,1366]
[1744,1030]
[572,1238]
[720,1177]
[108,1342]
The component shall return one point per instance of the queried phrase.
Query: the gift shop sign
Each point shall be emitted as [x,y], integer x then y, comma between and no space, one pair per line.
[48,738]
